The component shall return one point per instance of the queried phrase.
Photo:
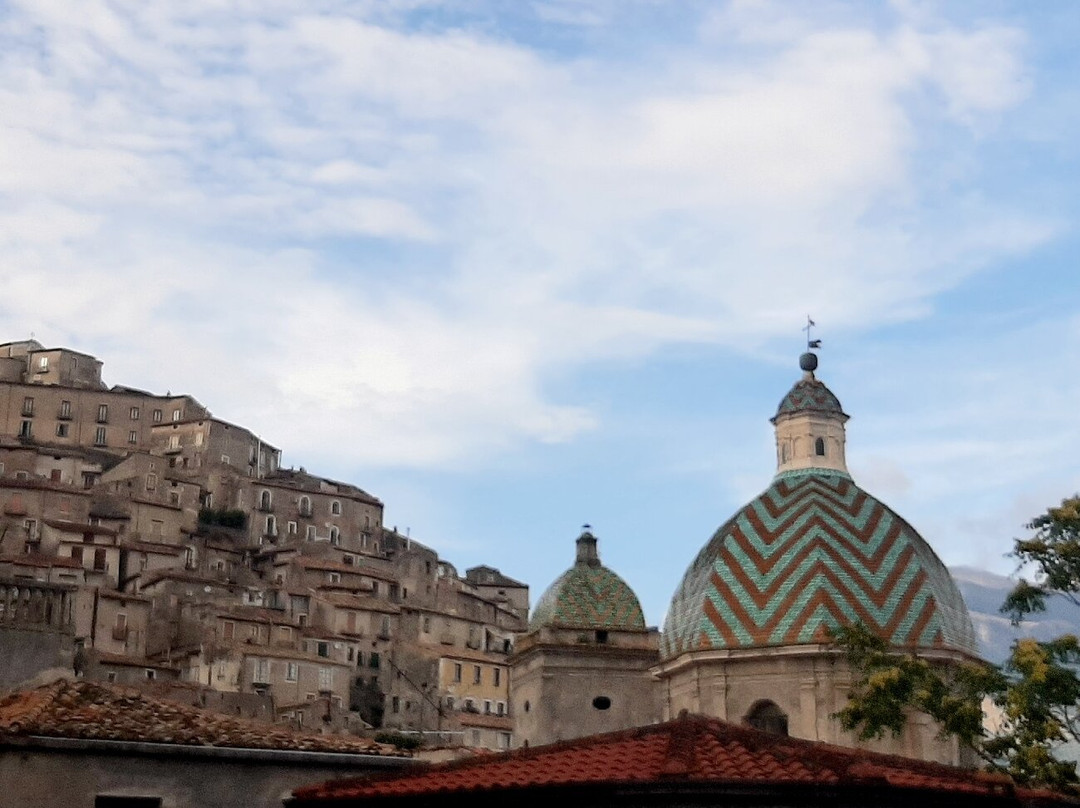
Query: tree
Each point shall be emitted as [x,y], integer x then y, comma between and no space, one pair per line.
[1037,689]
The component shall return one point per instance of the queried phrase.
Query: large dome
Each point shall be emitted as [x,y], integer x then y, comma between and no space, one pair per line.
[588,596]
[815,551]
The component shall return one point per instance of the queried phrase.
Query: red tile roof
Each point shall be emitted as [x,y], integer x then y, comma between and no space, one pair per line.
[92,711]
[692,752]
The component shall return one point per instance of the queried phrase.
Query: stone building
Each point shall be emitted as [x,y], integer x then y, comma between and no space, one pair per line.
[747,634]
[83,744]
[583,667]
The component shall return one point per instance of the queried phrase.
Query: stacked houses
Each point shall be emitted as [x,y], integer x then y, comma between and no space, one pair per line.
[144,541]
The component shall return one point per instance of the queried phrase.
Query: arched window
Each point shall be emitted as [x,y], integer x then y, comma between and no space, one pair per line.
[766,716]
[305,506]
[335,508]
[264,500]
[784,452]
[335,535]
[819,447]
[271,525]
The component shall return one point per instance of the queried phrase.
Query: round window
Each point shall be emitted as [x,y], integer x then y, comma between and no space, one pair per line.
[601,702]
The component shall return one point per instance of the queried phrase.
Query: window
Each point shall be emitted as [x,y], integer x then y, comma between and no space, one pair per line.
[602,703]
[487,706]
[335,536]
[151,674]
[427,625]
[449,702]
[62,430]
[309,533]
[176,415]
[292,671]
[109,801]
[496,676]
[335,577]
[26,429]
[500,708]
[174,498]
[65,409]
[271,525]
[134,413]
[228,630]
[457,671]
[395,704]
[335,508]
[326,678]
[264,500]
[100,564]
[99,436]
[292,528]
[768,717]
[151,481]
[305,506]
[43,363]
[504,740]
[120,626]
[133,436]
[262,671]
[384,628]
[225,459]
[103,413]
[819,447]
[28,406]
[156,416]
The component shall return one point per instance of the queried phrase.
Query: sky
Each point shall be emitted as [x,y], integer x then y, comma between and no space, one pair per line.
[516,266]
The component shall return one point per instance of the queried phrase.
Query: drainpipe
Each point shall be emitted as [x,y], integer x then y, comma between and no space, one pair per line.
[93,620]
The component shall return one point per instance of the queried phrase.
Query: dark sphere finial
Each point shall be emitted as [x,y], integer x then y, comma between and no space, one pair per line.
[808,362]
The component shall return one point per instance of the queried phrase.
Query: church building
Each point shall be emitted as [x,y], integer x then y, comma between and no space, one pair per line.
[746,637]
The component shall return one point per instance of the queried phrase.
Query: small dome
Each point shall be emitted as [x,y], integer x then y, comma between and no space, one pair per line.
[813,552]
[588,596]
[809,395]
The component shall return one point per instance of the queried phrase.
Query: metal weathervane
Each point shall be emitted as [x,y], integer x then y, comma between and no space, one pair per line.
[811,344]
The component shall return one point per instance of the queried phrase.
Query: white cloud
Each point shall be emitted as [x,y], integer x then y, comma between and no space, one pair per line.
[410,232]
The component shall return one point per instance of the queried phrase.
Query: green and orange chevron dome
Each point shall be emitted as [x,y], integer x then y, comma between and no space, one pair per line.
[813,552]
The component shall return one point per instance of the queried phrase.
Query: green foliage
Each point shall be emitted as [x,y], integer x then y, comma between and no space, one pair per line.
[1036,690]
[408,742]
[224,517]
[1054,551]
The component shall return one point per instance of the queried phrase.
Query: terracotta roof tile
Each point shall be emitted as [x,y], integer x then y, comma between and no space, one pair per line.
[692,750]
[93,711]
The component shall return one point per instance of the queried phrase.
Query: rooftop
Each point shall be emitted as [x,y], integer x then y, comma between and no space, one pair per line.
[691,754]
[85,710]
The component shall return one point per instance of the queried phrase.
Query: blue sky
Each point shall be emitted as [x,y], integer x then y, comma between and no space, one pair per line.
[518,266]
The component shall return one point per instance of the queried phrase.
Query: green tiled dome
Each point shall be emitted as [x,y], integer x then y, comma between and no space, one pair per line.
[814,552]
[809,395]
[588,596]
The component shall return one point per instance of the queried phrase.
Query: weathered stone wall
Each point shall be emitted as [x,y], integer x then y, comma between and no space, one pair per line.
[55,778]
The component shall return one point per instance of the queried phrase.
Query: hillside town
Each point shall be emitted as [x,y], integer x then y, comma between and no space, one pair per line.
[148,543]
